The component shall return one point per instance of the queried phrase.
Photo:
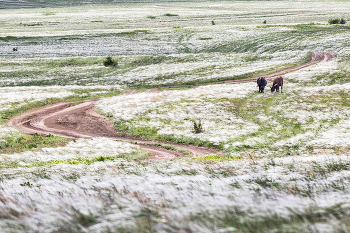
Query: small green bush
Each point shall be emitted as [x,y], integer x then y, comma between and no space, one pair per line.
[333,21]
[109,61]
[342,21]
[170,15]
[197,127]
[337,21]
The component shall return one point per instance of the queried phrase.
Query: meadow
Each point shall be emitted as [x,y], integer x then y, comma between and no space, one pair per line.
[285,164]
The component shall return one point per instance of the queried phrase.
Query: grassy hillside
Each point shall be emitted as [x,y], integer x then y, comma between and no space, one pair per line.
[13,4]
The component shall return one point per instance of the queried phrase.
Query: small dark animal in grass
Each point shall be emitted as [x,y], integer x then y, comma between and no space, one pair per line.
[261,84]
[277,83]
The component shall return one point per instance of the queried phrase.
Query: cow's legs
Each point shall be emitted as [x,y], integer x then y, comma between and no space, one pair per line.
[261,89]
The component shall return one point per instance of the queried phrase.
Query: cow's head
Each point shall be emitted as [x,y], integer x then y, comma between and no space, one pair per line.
[273,88]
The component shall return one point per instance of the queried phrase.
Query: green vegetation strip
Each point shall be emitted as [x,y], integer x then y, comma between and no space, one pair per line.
[82,160]
[13,144]
[165,146]
[151,133]
[218,158]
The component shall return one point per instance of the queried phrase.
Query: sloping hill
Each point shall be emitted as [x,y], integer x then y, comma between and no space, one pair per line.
[13,4]
[9,4]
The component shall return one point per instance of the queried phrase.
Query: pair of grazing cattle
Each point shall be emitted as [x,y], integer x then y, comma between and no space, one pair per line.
[277,83]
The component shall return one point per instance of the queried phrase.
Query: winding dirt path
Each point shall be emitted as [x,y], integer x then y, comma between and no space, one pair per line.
[77,119]
[315,58]
[68,120]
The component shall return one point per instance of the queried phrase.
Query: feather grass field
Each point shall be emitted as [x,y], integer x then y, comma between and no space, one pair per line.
[285,164]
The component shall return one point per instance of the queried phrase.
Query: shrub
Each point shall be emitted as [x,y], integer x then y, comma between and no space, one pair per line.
[109,61]
[170,15]
[333,21]
[14,49]
[342,21]
[337,21]
[197,127]
[264,22]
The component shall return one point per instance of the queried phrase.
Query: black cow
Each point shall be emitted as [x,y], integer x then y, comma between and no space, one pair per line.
[277,83]
[261,84]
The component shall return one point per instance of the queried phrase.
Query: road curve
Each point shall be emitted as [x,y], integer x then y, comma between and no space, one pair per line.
[75,120]
[68,120]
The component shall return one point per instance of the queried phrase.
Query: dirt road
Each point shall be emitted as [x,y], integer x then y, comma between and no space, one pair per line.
[79,120]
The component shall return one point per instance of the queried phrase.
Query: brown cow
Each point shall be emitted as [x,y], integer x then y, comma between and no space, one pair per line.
[277,83]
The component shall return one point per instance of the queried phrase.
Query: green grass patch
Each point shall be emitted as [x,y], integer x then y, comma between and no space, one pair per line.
[19,143]
[137,155]
[218,158]
[167,147]
[339,77]
[75,103]
[146,132]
